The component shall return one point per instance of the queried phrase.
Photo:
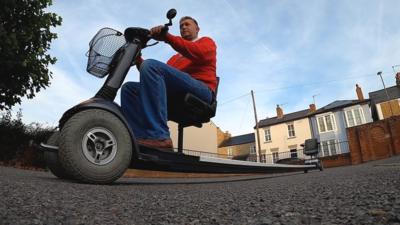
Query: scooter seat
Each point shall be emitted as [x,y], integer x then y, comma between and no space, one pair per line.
[191,110]
[311,147]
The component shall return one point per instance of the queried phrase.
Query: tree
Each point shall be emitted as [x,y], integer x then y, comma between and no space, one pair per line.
[25,37]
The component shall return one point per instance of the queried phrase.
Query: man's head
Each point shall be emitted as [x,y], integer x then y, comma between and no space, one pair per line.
[189,28]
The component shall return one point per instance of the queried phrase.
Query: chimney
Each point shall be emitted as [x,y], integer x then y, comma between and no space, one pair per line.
[279,112]
[359,93]
[398,79]
[222,136]
[313,108]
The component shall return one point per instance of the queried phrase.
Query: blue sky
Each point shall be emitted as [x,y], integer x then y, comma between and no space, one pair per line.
[286,51]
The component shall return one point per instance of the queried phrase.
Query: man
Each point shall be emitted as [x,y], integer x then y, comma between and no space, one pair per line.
[192,69]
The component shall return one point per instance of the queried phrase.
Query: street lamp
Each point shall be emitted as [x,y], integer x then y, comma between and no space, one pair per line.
[387,94]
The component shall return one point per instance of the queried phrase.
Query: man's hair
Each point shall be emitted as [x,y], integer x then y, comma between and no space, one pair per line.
[188,18]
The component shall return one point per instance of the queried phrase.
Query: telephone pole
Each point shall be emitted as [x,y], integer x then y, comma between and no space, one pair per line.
[257,131]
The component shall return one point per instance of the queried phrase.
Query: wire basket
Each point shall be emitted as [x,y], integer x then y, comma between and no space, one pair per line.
[103,47]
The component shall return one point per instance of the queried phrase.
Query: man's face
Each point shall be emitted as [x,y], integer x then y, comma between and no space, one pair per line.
[189,29]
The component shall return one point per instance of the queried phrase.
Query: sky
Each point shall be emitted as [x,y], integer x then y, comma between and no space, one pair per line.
[291,53]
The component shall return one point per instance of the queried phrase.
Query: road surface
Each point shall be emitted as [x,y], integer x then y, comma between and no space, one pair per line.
[362,194]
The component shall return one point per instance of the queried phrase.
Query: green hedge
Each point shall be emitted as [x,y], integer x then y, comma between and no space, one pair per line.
[19,142]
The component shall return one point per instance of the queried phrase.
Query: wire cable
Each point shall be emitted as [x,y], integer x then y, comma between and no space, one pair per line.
[301,85]
[316,83]
[233,99]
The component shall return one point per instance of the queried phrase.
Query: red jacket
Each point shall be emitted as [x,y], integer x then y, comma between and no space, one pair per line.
[197,58]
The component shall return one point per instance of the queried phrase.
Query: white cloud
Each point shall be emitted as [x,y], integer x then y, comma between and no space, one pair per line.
[50,103]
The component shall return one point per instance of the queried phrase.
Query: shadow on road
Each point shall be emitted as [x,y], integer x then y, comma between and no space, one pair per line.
[175,181]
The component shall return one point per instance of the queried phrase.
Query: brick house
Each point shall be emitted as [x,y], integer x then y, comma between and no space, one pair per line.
[329,123]
[281,136]
[240,147]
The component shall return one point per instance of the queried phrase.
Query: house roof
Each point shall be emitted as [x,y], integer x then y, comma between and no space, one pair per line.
[238,140]
[286,118]
[306,112]
[380,95]
[339,104]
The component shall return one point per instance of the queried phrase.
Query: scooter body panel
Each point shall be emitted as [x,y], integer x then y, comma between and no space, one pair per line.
[156,159]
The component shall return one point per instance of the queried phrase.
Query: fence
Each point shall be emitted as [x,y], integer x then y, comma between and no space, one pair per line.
[373,141]
[326,148]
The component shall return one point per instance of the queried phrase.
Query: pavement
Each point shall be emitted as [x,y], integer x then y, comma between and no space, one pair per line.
[363,194]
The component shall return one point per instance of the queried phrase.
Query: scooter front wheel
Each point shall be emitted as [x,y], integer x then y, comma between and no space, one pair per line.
[96,147]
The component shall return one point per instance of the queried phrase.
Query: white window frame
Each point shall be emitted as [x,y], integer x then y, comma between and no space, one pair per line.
[294,132]
[253,150]
[263,158]
[323,116]
[329,144]
[267,134]
[230,151]
[360,110]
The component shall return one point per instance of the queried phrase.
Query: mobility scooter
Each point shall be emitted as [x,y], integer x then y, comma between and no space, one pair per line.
[94,143]
[311,149]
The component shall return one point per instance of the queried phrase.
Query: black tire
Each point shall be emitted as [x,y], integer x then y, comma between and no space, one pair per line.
[85,133]
[305,171]
[52,161]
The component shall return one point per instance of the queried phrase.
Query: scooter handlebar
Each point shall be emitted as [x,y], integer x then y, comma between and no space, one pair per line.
[133,33]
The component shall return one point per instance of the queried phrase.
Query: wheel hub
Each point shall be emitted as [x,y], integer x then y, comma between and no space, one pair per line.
[99,146]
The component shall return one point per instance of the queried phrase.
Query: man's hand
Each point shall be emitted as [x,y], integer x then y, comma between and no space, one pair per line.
[158,33]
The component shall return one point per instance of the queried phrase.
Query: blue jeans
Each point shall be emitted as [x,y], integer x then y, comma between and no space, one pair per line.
[144,103]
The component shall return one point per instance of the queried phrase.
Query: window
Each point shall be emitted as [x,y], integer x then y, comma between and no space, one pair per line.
[325,148]
[291,130]
[321,124]
[275,156]
[263,158]
[332,147]
[267,135]
[253,149]
[230,151]
[350,118]
[293,153]
[326,123]
[328,147]
[354,117]
[329,125]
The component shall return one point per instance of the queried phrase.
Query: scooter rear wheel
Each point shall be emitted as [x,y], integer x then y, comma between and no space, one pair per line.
[52,161]
[96,147]
[320,166]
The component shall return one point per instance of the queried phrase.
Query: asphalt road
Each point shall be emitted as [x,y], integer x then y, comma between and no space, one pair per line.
[363,194]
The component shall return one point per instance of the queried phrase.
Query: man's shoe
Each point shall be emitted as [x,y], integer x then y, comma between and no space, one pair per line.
[159,144]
